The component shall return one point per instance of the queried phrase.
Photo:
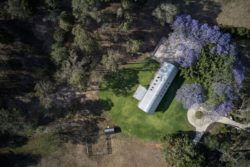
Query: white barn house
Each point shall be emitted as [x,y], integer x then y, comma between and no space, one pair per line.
[150,98]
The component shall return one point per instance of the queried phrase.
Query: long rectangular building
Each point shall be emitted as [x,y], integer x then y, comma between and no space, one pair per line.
[150,98]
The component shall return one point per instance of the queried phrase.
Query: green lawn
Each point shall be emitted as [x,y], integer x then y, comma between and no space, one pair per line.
[119,88]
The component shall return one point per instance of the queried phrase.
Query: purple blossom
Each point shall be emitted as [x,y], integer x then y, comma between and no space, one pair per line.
[232,49]
[216,28]
[214,36]
[224,90]
[224,39]
[212,50]
[219,49]
[189,56]
[185,45]
[224,108]
[194,36]
[238,76]
[178,24]
[190,94]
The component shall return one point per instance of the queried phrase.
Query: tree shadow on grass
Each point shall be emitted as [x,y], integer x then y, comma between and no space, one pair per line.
[95,107]
[12,141]
[150,65]
[170,94]
[76,131]
[122,81]
[18,160]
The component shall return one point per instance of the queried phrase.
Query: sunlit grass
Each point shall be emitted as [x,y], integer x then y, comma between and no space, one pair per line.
[169,118]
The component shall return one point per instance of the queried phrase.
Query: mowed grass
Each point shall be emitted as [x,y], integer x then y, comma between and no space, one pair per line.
[119,88]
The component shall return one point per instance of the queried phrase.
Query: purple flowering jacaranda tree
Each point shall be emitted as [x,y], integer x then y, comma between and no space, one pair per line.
[190,94]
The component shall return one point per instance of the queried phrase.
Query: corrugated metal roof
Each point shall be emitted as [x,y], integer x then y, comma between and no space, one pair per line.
[158,87]
[140,92]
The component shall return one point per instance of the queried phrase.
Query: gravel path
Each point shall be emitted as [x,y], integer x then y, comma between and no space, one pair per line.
[201,117]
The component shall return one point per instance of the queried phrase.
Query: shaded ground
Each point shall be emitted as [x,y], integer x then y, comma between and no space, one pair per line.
[15,160]
[126,152]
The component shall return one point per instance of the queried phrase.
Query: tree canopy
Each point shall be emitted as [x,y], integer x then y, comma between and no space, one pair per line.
[84,40]
[179,151]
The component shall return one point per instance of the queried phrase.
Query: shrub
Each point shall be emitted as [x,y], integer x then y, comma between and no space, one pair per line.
[239,75]
[119,13]
[133,46]
[59,35]
[81,8]
[42,90]
[165,13]
[77,79]
[84,40]
[20,8]
[220,92]
[111,60]
[125,26]
[127,4]
[79,55]
[115,37]
[132,4]
[11,121]
[73,73]
[66,21]
[52,3]
[59,54]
